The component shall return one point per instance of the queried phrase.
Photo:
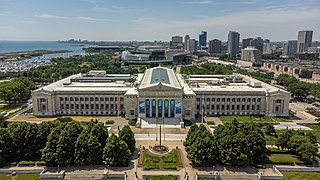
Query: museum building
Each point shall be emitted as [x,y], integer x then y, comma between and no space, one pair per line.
[159,93]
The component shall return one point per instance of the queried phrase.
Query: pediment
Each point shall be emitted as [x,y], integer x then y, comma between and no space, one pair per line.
[160,87]
[41,92]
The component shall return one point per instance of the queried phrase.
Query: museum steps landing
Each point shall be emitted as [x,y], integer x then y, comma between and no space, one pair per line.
[165,123]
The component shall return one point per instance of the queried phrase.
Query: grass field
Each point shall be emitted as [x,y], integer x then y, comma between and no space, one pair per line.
[283,159]
[243,119]
[34,118]
[22,177]
[301,175]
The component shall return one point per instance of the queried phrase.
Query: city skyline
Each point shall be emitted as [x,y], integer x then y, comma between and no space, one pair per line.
[127,20]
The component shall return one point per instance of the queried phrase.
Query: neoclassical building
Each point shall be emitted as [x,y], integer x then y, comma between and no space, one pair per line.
[159,93]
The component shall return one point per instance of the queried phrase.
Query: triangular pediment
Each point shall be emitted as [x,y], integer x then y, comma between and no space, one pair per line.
[41,92]
[160,87]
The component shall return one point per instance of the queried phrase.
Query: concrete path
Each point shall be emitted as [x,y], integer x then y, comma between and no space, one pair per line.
[290,125]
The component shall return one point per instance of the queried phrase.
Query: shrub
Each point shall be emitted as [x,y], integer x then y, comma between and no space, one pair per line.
[40,163]
[187,122]
[132,122]
[110,122]
[211,123]
[64,119]
[173,158]
[151,166]
[151,159]
[160,149]
[170,166]
[26,163]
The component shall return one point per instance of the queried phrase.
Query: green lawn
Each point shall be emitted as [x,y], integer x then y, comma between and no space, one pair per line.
[301,175]
[6,108]
[243,119]
[170,161]
[22,177]
[283,159]
[170,177]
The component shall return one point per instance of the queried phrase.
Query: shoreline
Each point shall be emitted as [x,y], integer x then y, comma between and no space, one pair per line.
[22,55]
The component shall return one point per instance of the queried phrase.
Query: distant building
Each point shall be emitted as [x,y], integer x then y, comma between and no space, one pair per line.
[214,46]
[304,40]
[186,41]
[176,42]
[267,48]
[250,56]
[306,56]
[203,39]
[233,43]
[290,48]
[192,46]
[254,42]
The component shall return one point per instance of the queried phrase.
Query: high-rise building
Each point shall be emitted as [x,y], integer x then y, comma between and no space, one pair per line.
[186,41]
[249,56]
[192,46]
[214,46]
[233,43]
[255,42]
[267,48]
[304,40]
[246,42]
[176,42]
[203,39]
[290,48]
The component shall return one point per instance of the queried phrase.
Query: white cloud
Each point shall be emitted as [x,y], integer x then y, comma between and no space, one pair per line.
[198,2]
[51,16]
[91,19]
[5,13]
[83,18]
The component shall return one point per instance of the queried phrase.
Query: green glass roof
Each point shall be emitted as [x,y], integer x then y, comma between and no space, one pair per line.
[160,75]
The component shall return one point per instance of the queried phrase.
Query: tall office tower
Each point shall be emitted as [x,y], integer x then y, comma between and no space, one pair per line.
[214,46]
[304,40]
[186,41]
[267,48]
[251,54]
[192,46]
[233,43]
[203,39]
[246,42]
[176,42]
[290,48]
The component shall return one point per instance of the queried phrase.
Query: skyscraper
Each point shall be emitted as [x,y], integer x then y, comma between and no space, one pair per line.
[255,42]
[304,40]
[290,48]
[176,42]
[203,39]
[214,46]
[186,41]
[192,46]
[233,43]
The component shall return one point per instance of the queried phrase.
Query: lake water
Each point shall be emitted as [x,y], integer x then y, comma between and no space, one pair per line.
[15,46]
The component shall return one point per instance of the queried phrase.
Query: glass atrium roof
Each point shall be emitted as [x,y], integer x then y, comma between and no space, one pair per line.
[160,75]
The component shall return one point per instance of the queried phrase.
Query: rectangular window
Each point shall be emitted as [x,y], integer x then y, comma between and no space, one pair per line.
[166,108]
[218,99]
[232,107]
[153,105]
[208,99]
[86,99]
[228,107]
[222,107]
[198,107]
[62,106]
[242,107]
[159,108]
[258,107]
[72,106]
[97,106]
[91,106]
[81,99]
[248,107]
[233,99]
[71,99]
[259,99]
[87,106]
[106,99]
[223,99]
[238,107]
[101,99]
[238,99]
[66,99]
[228,99]
[91,99]
[212,106]
[96,99]
[172,106]
[278,101]
[67,106]
[213,99]
[61,99]
[248,100]
[208,107]
[252,107]
[218,107]
[82,106]
[198,99]
[243,99]
[111,99]
[253,99]
[76,99]
[147,108]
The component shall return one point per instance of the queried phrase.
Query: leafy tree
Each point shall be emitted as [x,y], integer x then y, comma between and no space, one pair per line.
[191,135]
[296,140]
[284,79]
[24,139]
[49,154]
[305,73]
[5,146]
[44,130]
[88,150]
[307,150]
[269,129]
[127,136]
[116,152]
[300,90]
[283,140]
[99,131]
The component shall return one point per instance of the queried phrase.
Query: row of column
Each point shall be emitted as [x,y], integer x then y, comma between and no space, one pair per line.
[153,108]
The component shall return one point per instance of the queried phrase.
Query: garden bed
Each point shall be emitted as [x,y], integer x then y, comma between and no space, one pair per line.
[170,161]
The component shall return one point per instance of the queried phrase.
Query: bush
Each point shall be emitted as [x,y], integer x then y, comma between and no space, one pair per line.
[187,122]
[64,119]
[173,158]
[40,163]
[26,163]
[151,159]
[110,122]
[160,149]
[132,122]
[170,166]
[151,166]
[211,123]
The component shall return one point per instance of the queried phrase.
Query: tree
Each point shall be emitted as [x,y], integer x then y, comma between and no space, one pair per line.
[269,129]
[191,135]
[44,130]
[49,153]
[305,73]
[5,146]
[88,150]
[283,140]
[127,136]
[307,150]
[300,90]
[296,140]
[116,152]
[99,131]
[24,139]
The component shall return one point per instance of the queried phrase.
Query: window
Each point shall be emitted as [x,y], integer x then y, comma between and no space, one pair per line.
[248,107]
[101,99]
[82,106]
[102,106]
[233,99]
[218,107]
[277,108]
[208,107]
[228,99]
[243,99]
[62,106]
[91,99]
[223,99]
[259,100]
[212,106]
[87,106]
[222,107]
[77,106]
[44,108]
[86,99]
[242,107]
[121,106]
[131,112]
[248,100]
[66,99]
[61,99]
[238,99]
[121,99]
[213,99]
[97,106]
[107,106]
[96,99]
[111,106]
[91,106]
[81,99]
[238,107]
[232,107]
[67,106]
[72,106]
[198,99]
[76,99]
[228,107]
[253,99]
[71,99]
[111,99]
[278,101]
[198,107]
[218,99]
[258,107]
[106,99]
[208,99]
[252,107]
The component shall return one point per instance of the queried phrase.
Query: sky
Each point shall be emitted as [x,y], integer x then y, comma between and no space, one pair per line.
[123,20]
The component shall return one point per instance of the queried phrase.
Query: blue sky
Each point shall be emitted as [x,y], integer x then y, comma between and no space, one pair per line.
[156,20]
